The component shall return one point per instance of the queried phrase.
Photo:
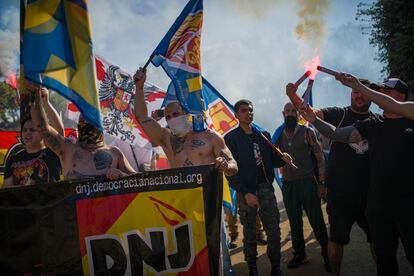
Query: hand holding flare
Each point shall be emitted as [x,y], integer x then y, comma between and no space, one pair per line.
[285,157]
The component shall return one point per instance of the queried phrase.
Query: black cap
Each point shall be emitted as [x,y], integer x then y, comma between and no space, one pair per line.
[396,84]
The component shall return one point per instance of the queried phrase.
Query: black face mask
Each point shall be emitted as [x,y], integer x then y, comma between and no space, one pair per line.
[291,122]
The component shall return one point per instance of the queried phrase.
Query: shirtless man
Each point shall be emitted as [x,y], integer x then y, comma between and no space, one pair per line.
[88,157]
[181,144]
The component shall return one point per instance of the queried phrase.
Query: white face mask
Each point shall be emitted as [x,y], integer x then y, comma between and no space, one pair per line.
[180,125]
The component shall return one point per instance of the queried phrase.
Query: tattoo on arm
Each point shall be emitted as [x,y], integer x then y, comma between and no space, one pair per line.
[232,164]
[355,136]
[177,144]
[347,134]
[52,141]
[318,153]
[197,143]
[145,120]
[187,163]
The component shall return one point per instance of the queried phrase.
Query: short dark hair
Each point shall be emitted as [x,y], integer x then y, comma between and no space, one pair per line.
[24,120]
[242,102]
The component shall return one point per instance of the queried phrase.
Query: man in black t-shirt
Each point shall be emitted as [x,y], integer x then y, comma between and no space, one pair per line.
[347,175]
[390,201]
[34,164]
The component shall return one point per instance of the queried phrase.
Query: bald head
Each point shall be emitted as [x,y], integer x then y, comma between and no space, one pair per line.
[290,110]
[172,110]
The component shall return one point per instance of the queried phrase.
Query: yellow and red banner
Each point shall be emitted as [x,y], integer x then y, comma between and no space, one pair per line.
[161,222]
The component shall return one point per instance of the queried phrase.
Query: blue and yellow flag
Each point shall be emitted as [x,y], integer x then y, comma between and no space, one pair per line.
[57,52]
[179,55]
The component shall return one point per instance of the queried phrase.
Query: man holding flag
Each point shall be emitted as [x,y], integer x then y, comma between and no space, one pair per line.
[89,157]
[183,146]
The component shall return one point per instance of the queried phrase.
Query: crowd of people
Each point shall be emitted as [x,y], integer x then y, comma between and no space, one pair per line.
[366,178]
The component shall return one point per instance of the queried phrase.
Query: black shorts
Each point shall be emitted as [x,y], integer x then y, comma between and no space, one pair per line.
[342,213]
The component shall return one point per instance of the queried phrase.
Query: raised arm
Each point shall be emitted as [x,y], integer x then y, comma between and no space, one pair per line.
[54,118]
[385,102]
[55,141]
[347,134]
[297,101]
[155,132]
[224,159]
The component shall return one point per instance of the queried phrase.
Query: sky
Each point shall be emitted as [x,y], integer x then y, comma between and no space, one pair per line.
[249,49]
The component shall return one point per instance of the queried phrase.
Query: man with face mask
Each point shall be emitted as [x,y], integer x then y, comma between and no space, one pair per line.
[347,175]
[181,144]
[89,157]
[300,188]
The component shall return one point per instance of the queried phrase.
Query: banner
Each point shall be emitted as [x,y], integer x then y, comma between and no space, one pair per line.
[146,224]
[57,52]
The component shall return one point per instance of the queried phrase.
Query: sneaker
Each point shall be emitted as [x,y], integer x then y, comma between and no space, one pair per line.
[253,271]
[232,245]
[276,271]
[298,260]
[326,263]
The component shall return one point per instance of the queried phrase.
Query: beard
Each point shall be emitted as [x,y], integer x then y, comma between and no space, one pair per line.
[361,109]
[291,122]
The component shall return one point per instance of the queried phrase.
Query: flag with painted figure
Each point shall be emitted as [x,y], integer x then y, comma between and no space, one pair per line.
[57,52]
[179,55]
[165,222]
[116,95]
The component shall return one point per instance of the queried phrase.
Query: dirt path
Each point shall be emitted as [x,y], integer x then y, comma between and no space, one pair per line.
[357,258]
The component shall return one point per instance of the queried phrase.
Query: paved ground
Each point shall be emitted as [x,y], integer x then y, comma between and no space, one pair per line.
[357,259]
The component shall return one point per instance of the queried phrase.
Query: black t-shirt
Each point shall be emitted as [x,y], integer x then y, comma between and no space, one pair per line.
[348,165]
[32,168]
[391,155]
[261,178]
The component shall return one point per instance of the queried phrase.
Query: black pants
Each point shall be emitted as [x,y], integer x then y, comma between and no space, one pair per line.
[387,226]
[302,194]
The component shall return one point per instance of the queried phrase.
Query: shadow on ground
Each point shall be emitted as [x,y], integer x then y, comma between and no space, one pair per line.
[357,257]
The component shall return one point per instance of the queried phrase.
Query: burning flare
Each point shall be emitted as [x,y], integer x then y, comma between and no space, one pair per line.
[312,66]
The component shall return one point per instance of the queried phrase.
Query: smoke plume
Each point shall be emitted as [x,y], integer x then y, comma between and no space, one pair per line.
[9,41]
[311,26]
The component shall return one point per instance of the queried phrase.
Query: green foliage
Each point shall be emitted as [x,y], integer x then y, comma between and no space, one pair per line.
[391,30]
[9,108]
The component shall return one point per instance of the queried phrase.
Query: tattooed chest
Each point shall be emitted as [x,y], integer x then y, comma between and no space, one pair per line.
[98,160]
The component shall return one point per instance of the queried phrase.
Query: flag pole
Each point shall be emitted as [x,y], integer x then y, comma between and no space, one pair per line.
[147,63]
[276,149]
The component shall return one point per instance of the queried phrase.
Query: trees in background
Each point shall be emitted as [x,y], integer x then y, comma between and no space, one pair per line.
[391,29]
